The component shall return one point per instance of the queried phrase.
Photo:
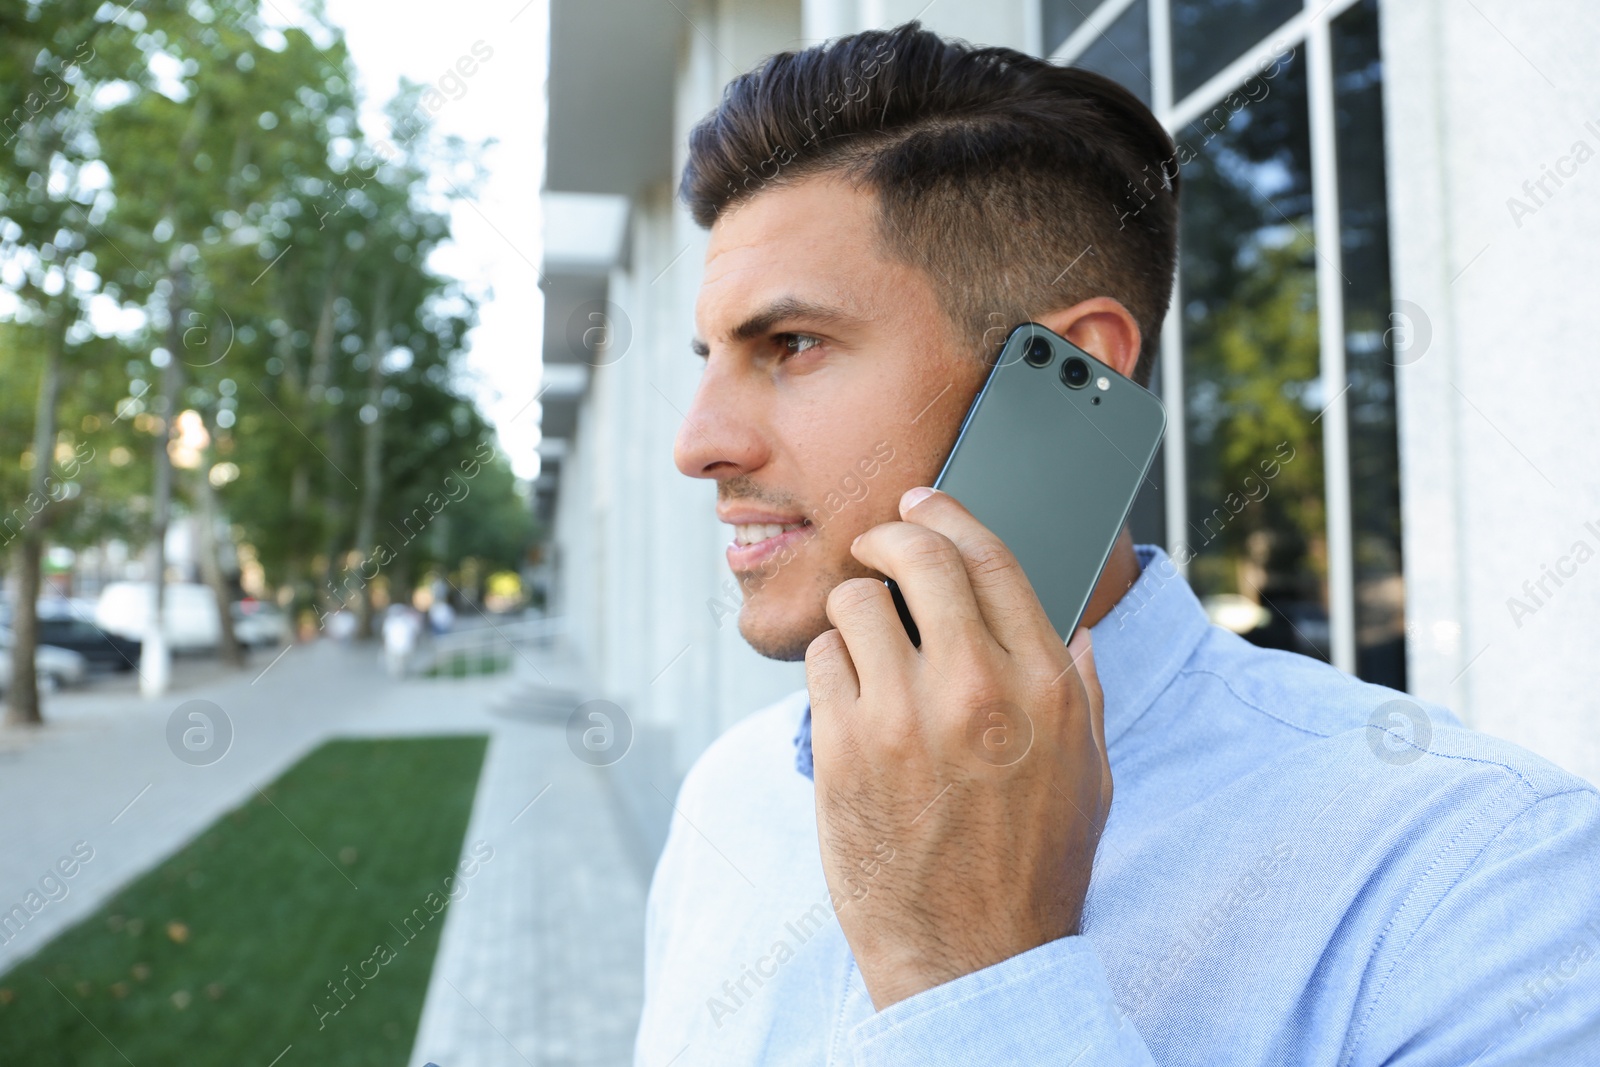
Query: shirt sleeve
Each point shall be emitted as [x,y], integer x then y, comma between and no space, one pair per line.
[1049,1005]
[1506,969]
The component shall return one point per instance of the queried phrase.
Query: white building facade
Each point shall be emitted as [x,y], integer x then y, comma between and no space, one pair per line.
[1390,213]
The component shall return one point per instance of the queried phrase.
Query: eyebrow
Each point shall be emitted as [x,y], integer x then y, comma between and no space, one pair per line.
[781,310]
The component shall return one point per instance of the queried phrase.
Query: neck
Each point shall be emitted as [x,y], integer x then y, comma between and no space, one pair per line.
[1121,571]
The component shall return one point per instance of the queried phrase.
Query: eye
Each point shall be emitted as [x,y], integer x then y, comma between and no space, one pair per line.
[795,343]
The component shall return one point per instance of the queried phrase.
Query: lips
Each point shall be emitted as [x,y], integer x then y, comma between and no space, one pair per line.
[759,537]
[752,533]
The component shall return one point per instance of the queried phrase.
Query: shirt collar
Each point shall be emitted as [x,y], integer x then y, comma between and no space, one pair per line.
[1139,647]
[1145,639]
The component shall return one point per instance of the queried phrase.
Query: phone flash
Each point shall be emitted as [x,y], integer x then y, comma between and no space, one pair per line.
[1102,383]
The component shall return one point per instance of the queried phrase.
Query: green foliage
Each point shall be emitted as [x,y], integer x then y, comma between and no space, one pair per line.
[209,178]
[1252,368]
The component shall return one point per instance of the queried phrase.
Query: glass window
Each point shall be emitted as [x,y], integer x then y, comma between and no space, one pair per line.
[1122,53]
[1061,18]
[1252,519]
[1256,513]
[1207,35]
[1371,341]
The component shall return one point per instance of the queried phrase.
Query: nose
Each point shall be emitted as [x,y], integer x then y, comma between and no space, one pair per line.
[722,433]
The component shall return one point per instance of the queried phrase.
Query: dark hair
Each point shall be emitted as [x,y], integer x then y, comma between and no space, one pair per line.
[1019,186]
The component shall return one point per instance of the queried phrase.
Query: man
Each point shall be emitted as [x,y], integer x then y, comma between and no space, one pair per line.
[1298,867]
[400,628]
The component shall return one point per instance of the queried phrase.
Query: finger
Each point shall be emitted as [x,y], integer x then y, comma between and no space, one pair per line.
[933,579]
[833,687]
[862,610]
[1086,680]
[1081,649]
[831,678]
[1006,598]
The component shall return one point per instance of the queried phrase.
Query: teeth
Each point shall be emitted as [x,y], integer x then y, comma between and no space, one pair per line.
[751,533]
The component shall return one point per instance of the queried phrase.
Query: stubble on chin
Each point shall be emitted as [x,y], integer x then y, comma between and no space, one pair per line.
[781,625]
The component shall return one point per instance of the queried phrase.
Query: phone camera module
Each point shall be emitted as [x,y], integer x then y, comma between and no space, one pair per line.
[1075,373]
[1038,353]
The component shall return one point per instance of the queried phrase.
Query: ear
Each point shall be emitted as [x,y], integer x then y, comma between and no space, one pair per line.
[1101,327]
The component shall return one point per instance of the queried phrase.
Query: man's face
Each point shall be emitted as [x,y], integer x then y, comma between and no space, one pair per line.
[834,382]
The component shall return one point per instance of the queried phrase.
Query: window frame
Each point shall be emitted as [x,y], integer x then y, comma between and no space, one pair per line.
[1309,29]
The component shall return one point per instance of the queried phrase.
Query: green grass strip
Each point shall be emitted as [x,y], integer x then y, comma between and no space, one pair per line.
[465,666]
[308,917]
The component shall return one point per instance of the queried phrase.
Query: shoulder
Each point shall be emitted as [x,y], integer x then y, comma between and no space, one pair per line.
[1294,704]
[742,814]
[1285,690]
[749,764]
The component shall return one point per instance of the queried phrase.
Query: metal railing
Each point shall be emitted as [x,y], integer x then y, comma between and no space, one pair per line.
[485,649]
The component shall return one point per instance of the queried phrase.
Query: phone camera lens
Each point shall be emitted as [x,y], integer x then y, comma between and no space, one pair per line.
[1075,372]
[1038,354]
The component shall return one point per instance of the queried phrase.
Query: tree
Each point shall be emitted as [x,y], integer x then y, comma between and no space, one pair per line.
[52,59]
[203,179]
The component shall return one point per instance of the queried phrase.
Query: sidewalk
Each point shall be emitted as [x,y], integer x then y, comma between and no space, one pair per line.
[541,962]
[102,773]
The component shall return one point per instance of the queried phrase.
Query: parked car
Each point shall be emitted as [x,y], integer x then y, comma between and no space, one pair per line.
[189,611]
[101,649]
[259,623]
[55,667]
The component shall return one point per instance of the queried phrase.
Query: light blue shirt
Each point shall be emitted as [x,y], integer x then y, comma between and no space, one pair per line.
[1295,870]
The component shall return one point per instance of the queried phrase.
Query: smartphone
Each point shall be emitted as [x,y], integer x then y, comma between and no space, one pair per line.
[1050,458]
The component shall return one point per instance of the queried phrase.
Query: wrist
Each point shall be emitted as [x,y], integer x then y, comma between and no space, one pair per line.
[894,974]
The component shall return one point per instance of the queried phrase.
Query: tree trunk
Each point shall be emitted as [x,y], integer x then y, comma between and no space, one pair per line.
[334,507]
[155,665]
[322,340]
[22,695]
[372,450]
[228,646]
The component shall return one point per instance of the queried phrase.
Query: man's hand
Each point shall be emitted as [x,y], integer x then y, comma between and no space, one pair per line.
[961,788]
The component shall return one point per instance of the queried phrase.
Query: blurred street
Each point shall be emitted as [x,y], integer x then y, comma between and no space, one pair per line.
[540,962]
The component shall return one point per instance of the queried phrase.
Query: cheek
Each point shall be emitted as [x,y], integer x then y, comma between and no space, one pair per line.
[920,452]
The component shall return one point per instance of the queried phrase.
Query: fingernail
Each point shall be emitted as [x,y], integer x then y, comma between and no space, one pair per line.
[914,497]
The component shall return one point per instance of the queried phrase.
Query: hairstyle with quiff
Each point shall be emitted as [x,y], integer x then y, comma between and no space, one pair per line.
[1017,185]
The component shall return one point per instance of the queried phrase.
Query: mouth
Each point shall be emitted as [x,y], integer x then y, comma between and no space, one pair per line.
[760,542]
[746,534]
